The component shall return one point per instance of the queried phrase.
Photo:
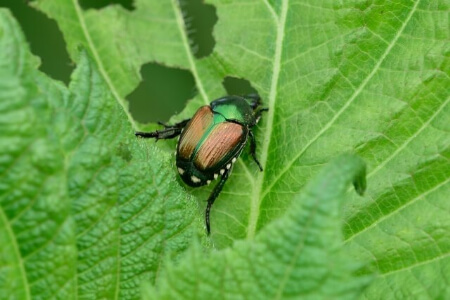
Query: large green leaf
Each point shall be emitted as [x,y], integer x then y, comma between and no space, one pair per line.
[370,77]
[298,256]
[83,212]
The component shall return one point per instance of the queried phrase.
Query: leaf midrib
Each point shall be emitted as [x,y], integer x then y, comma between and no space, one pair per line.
[348,102]
[256,198]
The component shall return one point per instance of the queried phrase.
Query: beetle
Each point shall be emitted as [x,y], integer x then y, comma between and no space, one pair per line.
[212,140]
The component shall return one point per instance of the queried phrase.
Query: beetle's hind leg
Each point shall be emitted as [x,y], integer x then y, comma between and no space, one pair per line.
[253,149]
[169,131]
[214,194]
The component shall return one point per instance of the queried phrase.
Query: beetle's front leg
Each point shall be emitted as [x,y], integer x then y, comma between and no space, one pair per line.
[253,149]
[214,194]
[169,131]
[258,115]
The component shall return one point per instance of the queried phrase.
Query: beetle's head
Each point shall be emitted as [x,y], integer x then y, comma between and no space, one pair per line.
[254,100]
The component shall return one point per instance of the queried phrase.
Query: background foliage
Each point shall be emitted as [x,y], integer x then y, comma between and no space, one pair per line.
[87,211]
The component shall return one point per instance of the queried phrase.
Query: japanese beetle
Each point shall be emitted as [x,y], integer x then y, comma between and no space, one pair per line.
[212,140]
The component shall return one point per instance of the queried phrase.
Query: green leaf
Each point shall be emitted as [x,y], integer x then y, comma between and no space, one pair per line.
[298,256]
[369,77]
[84,213]
[121,41]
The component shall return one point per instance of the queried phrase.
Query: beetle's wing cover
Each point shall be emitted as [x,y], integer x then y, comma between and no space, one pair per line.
[194,132]
[222,144]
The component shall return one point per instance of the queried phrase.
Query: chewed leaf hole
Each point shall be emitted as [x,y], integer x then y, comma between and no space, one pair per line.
[97,4]
[238,86]
[162,93]
[200,19]
[45,40]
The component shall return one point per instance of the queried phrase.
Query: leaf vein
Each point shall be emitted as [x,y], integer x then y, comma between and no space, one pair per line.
[437,258]
[99,62]
[17,253]
[256,199]
[435,188]
[414,135]
[347,103]
[187,48]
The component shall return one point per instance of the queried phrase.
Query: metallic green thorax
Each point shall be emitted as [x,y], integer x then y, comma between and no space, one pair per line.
[234,108]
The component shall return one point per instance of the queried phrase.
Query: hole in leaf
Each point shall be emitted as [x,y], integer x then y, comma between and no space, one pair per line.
[162,93]
[238,86]
[97,4]
[45,39]
[200,19]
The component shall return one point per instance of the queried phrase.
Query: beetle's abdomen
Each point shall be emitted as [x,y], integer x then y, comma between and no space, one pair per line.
[194,132]
[221,145]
